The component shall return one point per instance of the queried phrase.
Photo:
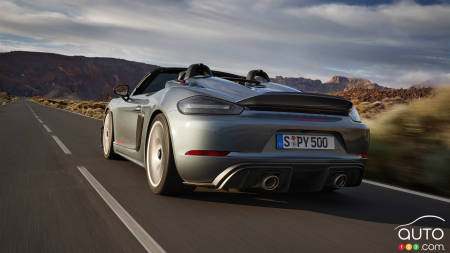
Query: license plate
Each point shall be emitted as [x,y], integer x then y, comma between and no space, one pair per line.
[295,141]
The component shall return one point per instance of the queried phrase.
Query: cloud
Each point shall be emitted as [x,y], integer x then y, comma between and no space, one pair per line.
[315,39]
[403,18]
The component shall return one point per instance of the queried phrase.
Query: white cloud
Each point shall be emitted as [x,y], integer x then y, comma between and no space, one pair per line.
[382,43]
[420,77]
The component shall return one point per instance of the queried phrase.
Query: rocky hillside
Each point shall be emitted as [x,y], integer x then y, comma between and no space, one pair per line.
[370,102]
[335,84]
[372,95]
[341,83]
[73,77]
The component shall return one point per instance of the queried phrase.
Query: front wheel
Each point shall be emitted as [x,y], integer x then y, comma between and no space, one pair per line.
[108,137]
[162,174]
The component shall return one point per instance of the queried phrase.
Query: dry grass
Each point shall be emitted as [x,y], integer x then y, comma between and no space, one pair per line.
[410,145]
[92,109]
[369,110]
[5,98]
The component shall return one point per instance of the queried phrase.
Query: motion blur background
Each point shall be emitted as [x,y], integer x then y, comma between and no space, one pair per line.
[390,58]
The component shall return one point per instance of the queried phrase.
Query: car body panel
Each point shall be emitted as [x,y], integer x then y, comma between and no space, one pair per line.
[249,136]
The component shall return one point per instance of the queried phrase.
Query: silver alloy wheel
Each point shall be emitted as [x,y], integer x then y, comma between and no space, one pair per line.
[155,154]
[107,134]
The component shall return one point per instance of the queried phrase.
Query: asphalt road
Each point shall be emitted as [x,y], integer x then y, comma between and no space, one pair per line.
[47,205]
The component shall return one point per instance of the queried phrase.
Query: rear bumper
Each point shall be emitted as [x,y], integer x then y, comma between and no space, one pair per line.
[251,139]
[308,175]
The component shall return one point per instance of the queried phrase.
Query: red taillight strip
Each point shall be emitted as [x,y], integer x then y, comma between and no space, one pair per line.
[363,155]
[207,153]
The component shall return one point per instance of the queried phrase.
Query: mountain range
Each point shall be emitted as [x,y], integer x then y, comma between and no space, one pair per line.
[78,77]
[335,84]
[59,76]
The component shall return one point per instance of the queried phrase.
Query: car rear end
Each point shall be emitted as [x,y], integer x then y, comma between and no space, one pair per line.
[277,142]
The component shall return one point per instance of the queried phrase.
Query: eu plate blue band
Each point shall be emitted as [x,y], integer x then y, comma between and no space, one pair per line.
[279,140]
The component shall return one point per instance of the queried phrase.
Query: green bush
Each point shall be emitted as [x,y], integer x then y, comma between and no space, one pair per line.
[410,145]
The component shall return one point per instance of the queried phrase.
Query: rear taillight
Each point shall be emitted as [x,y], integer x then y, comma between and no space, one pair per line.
[207,153]
[363,155]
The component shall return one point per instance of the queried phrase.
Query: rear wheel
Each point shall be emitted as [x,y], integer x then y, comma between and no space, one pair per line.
[162,174]
[108,137]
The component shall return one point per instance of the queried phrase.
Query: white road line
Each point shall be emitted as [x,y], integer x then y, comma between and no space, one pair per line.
[31,110]
[61,145]
[149,244]
[40,121]
[46,128]
[421,194]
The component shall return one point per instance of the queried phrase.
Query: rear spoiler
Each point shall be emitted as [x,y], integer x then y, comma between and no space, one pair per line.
[298,102]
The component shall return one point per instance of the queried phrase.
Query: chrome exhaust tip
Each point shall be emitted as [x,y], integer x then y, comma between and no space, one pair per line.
[270,183]
[340,180]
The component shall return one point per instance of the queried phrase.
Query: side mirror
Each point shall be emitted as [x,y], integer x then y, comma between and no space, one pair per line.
[122,91]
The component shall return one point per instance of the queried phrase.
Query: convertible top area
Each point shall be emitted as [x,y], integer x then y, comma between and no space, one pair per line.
[174,73]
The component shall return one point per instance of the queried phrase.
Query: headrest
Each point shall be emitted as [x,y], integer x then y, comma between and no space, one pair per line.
[253,74]
[198,69]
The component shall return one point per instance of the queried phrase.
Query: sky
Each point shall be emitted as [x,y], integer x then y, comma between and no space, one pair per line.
[395,43]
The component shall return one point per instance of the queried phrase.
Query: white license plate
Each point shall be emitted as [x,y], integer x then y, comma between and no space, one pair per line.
[296,141]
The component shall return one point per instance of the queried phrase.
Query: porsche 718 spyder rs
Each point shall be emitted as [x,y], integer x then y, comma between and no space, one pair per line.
[197,127]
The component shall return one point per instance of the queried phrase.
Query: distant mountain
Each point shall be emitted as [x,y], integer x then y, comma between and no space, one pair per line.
[350,83]
[78,77]
[335,84]
[72,77]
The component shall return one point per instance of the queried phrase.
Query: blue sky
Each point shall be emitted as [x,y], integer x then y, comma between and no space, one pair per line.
[395,43]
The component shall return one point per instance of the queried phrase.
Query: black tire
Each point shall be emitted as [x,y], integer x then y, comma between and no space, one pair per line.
[107,143]
[162,175]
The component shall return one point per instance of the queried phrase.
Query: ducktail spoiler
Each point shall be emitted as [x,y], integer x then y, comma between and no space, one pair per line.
[298,102]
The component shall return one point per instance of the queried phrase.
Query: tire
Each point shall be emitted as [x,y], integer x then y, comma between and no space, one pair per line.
[162,175]
[108,137]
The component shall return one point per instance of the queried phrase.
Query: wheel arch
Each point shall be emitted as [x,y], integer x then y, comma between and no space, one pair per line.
[155,113]
[147,131]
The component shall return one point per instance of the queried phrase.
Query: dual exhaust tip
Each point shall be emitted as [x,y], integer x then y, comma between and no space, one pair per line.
[270,183]
[339,180]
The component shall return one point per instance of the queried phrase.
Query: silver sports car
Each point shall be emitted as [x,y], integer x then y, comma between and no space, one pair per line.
[197,127]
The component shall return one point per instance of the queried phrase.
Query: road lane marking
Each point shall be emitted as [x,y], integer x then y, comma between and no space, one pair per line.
[149,244]
[421,194]
[32,111]
[40,121]
[46,128]
[61,145]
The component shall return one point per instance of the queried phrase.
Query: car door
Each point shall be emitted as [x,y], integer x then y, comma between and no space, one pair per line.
[131,112]
[129,116]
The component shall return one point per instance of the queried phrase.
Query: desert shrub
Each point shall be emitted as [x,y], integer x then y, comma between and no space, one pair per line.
[410,145]
[89,108]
